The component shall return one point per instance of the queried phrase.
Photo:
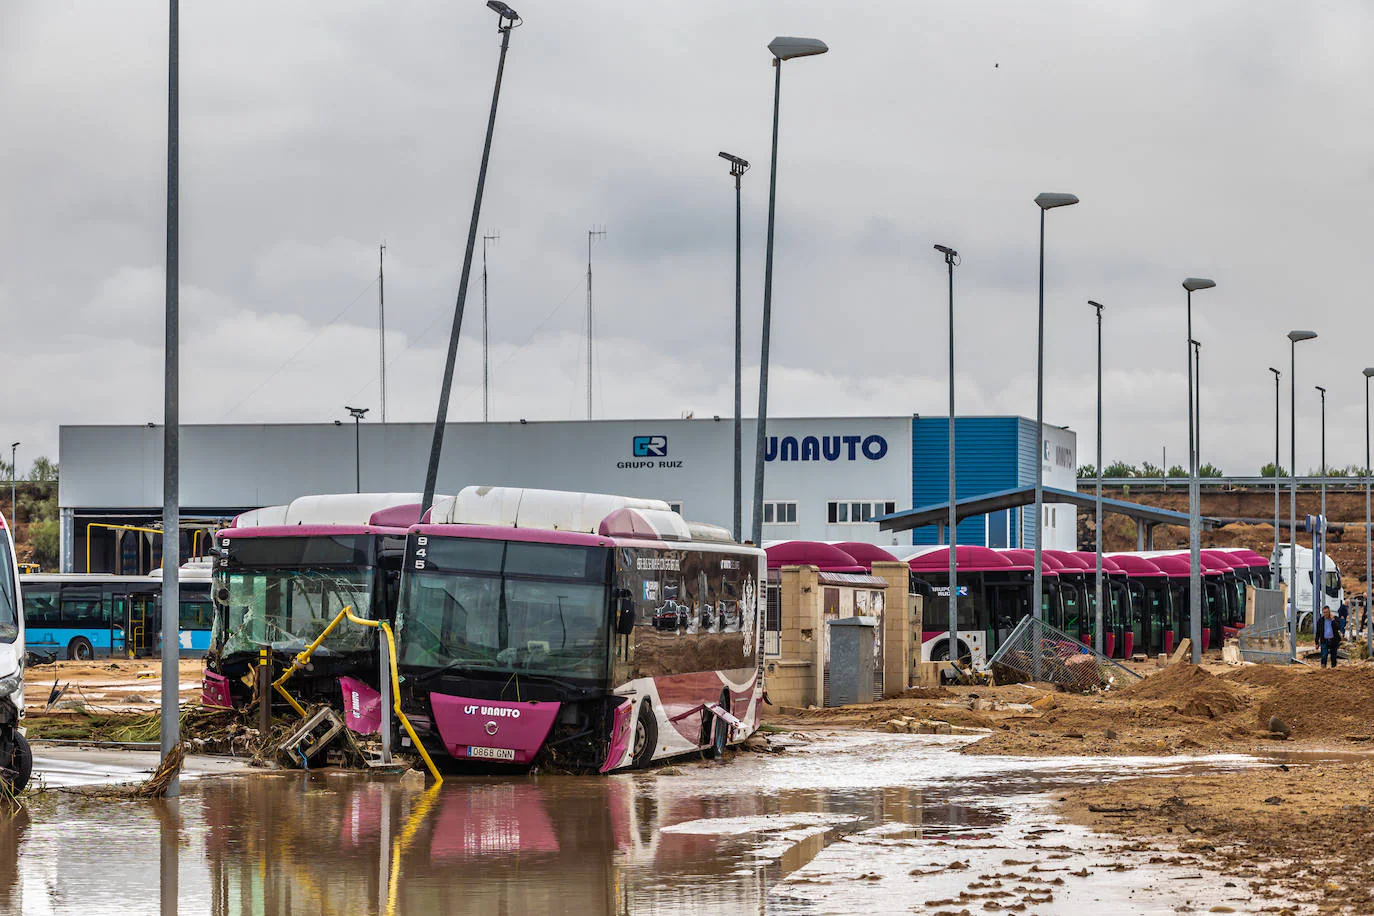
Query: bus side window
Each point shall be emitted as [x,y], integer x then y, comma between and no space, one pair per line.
[82,606]
[40,605]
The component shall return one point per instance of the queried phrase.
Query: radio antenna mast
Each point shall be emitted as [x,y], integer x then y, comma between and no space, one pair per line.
[592,233]
[486,362]
[381,317]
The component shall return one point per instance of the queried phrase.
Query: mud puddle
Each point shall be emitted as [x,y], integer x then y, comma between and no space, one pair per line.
[845,823]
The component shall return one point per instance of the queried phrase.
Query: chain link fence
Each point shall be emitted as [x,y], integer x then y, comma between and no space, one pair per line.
[1273,645]
[1036,651]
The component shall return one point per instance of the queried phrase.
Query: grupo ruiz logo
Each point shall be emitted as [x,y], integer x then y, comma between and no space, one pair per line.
[651,446]
[649,452]
[828,448]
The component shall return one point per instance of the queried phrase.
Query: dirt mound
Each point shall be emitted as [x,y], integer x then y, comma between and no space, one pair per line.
[1319,703]
[1190,690]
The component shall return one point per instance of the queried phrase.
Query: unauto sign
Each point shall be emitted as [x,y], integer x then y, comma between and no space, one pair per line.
[827,448]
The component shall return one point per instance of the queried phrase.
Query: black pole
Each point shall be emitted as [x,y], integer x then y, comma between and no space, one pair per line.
[441,418]
[170,727]
[762,438]
[357,454]
[739,422]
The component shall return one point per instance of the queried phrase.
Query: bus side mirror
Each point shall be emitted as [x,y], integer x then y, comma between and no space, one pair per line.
[624,612]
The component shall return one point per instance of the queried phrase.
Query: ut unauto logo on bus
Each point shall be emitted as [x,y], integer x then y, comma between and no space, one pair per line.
[650,446]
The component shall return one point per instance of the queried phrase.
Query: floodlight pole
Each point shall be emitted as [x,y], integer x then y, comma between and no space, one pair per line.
[170,726]
[1275,561]
[14,472]
[1099,616]
[1369,626]
[951,258]
[738,167]
[1319,536]
[1194,495]
[486,338]
[441,418]
[1293,338]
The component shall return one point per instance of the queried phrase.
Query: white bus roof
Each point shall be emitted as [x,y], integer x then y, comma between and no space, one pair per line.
[557,510]
[326,509]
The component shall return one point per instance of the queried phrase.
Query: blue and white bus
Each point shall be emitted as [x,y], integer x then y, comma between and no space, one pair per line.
[84,616]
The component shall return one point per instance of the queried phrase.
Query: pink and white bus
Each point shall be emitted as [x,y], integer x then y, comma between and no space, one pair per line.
[584,631]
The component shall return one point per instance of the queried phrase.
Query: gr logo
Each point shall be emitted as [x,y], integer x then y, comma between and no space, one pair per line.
[651,446]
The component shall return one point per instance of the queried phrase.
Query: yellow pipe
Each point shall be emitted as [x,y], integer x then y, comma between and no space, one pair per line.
[403,841]
[303,658]
[90,525]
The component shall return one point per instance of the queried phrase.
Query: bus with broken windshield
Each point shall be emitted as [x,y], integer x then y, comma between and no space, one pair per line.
[283,573]
[585,631]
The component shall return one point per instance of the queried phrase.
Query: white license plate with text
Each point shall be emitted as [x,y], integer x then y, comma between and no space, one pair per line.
[492,753]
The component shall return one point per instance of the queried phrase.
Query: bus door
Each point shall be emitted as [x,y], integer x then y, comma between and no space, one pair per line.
[1007,604]
[133,614]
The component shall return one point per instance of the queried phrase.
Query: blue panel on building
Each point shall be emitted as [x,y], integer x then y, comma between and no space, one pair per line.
[988,459]
[1028,445]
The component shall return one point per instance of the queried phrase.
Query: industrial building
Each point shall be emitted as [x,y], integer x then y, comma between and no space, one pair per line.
[827,478]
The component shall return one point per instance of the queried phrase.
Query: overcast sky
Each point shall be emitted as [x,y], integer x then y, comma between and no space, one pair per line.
[1224,139]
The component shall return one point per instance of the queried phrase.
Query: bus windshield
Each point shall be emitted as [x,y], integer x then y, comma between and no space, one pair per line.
[287,608]
[523,608]
[9,617]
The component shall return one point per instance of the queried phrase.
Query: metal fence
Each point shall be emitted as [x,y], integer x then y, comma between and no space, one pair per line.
[1036,651]
[1271,644]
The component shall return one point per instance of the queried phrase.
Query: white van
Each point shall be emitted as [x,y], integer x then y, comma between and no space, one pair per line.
[1332,593]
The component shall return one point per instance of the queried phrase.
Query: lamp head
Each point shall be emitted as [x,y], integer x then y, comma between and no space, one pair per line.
[785,48]
[1049,200]
[1321,389]
[15,444]
[500,9]
[1276,372]
[1296,336]
[945,249]
[736,163]
[1369,373]
[356,413]
[1097,305]
[1195,283]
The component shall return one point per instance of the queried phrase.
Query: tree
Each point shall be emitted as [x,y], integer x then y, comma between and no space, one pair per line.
[1087,470]
[1268,471]
[1119,469]
[45,538]
[1209,470]
[1150,470]
[44,471]
[1178,470]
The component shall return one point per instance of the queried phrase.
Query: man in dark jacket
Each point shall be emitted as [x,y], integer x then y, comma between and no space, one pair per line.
[1343,617]
[1326,632]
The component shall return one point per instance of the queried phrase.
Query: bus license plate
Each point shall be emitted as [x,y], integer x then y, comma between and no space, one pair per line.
[492,753]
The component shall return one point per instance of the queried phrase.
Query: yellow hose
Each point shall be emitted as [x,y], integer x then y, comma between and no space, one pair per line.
[303,658]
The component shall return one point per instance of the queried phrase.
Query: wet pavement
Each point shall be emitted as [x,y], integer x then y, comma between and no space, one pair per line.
[843,823]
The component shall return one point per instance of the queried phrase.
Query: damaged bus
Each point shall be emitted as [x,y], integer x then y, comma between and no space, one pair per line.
[284,572]
[532,629]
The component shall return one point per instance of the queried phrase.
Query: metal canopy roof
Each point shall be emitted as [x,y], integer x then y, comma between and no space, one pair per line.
[1023,496]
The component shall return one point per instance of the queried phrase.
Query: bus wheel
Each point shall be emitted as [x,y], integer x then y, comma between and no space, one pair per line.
[20,765]
[646,736]
[941,652]
[80,649]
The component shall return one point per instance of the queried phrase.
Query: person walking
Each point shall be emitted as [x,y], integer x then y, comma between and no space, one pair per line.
[1364,613]
[1343,617]
[1327,634]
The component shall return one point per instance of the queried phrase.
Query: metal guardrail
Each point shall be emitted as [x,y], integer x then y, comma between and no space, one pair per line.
[1036,651]
[1086,484]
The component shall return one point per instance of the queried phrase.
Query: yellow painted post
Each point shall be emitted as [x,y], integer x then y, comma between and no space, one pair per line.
[264,693]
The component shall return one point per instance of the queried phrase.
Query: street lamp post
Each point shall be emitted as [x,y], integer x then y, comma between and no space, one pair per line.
[1369,626]
[1197,399]
[14,471]
[738,167]
[357,413]
[1293,338]
[507,19]
[951,259]
[1319,561]
[1275,561]
[782,48]
[1098,619]
[1194,519]
[1045,201]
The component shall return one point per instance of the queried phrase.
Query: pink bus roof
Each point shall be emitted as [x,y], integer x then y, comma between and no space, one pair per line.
[308,531]
[1133,565]
[1024,558]
[1244,556]
[969,557]
[1210,563]
[826,557]
[396,516]
[1071,561]
[1108,564]
[866,554]
[1178,566]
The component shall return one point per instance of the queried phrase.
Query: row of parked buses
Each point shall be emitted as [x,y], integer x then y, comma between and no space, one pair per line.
[595,632]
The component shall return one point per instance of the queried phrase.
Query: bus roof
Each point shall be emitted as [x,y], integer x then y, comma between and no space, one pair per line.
[968,557]
[1024,558]
[309,531]
[1244,556]
[866,554]
[1109,565]
[1070,561]
[550,536]
[527,507]
[826,557]
[333,509]
[1136,566]
[1209,565]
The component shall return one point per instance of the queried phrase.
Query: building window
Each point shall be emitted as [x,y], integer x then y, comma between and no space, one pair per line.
[856,511]
[780,512]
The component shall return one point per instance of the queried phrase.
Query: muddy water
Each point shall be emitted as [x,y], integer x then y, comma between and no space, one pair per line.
[847,823]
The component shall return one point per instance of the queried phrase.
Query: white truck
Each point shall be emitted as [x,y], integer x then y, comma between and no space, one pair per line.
[1332,593]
